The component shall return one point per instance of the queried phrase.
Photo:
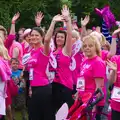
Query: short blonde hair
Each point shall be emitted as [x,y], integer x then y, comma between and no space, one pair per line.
[3,51]
[75,34]
[95,41]
[100,37]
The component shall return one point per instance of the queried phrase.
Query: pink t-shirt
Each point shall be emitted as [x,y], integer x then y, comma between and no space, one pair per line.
[63,74]
[38,62]
[17,45]
[104,54]
[25,45]
[79,57]
[116,105]
[9,41]
[91,69]
[5,71]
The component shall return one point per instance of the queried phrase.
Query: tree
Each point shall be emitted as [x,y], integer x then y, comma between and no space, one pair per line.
[28,9]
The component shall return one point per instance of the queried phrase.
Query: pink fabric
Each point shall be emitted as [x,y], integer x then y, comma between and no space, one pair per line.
[25,46]
[116,105]
[104,54]
[8,99]
[9,41]
[17,45]
[63,74]
[38,62]
[5,74]
[5,71]
[91,69]
[79,57]
[28,49]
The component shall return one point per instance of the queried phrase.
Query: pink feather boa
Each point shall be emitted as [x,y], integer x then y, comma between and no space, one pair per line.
[107,16]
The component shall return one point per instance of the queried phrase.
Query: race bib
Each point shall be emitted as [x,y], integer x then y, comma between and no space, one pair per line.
[80,84]
[31,74]
[2,106]
[116,94]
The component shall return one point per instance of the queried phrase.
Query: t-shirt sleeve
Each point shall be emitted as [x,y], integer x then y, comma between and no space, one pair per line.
[9,41]
[99,69]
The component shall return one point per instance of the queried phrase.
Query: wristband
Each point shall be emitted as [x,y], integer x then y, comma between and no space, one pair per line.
[13,22]
[114,36]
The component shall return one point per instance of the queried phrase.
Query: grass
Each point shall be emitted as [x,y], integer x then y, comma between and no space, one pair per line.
[17,115]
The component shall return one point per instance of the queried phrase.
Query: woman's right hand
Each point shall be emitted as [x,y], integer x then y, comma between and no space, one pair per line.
[15,17]
[85,21]
[58,18]
[112,65]
[116,31]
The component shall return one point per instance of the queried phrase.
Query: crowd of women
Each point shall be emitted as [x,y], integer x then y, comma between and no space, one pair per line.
[41,70]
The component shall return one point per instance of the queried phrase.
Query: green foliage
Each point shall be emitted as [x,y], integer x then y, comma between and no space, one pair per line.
[28,9]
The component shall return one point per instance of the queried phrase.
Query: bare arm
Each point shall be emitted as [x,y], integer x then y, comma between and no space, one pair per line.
[15,53]
[83,25]
[113,73]
[14,19]
[68,46]
[112,51]
[49,34]
[99,83]
[113,44]
[112,76]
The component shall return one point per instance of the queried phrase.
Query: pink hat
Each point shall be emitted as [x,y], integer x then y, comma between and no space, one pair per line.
[26,32]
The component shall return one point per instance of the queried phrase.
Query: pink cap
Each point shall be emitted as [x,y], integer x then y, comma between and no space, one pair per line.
[26,32]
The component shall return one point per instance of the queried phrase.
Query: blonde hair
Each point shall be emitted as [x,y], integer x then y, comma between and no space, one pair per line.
[100,37]
[75,34]
[3,51]
[3,29]
[107,45]
[95,41]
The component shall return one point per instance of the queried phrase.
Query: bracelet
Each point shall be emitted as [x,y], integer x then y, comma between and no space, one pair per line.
[13,22]
[114,36]
[66,21]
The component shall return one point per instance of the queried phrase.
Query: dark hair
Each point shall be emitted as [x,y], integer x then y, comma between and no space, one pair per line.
[17,36]
[14,59]
[60,31]
[39,30]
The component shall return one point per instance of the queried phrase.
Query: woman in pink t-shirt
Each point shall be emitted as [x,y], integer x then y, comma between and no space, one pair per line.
[62,84]
[114,78]
[40,106]
[5,73]
[93,69]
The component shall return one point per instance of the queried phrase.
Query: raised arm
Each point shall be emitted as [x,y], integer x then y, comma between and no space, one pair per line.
[68,45]
[14,19]
[84,23]
[113,43]
[113,71]
[49,33]
[38,18]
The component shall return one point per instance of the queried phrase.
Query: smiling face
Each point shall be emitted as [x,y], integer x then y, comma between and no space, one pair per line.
[27,38]
[60,39]
[36,37]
